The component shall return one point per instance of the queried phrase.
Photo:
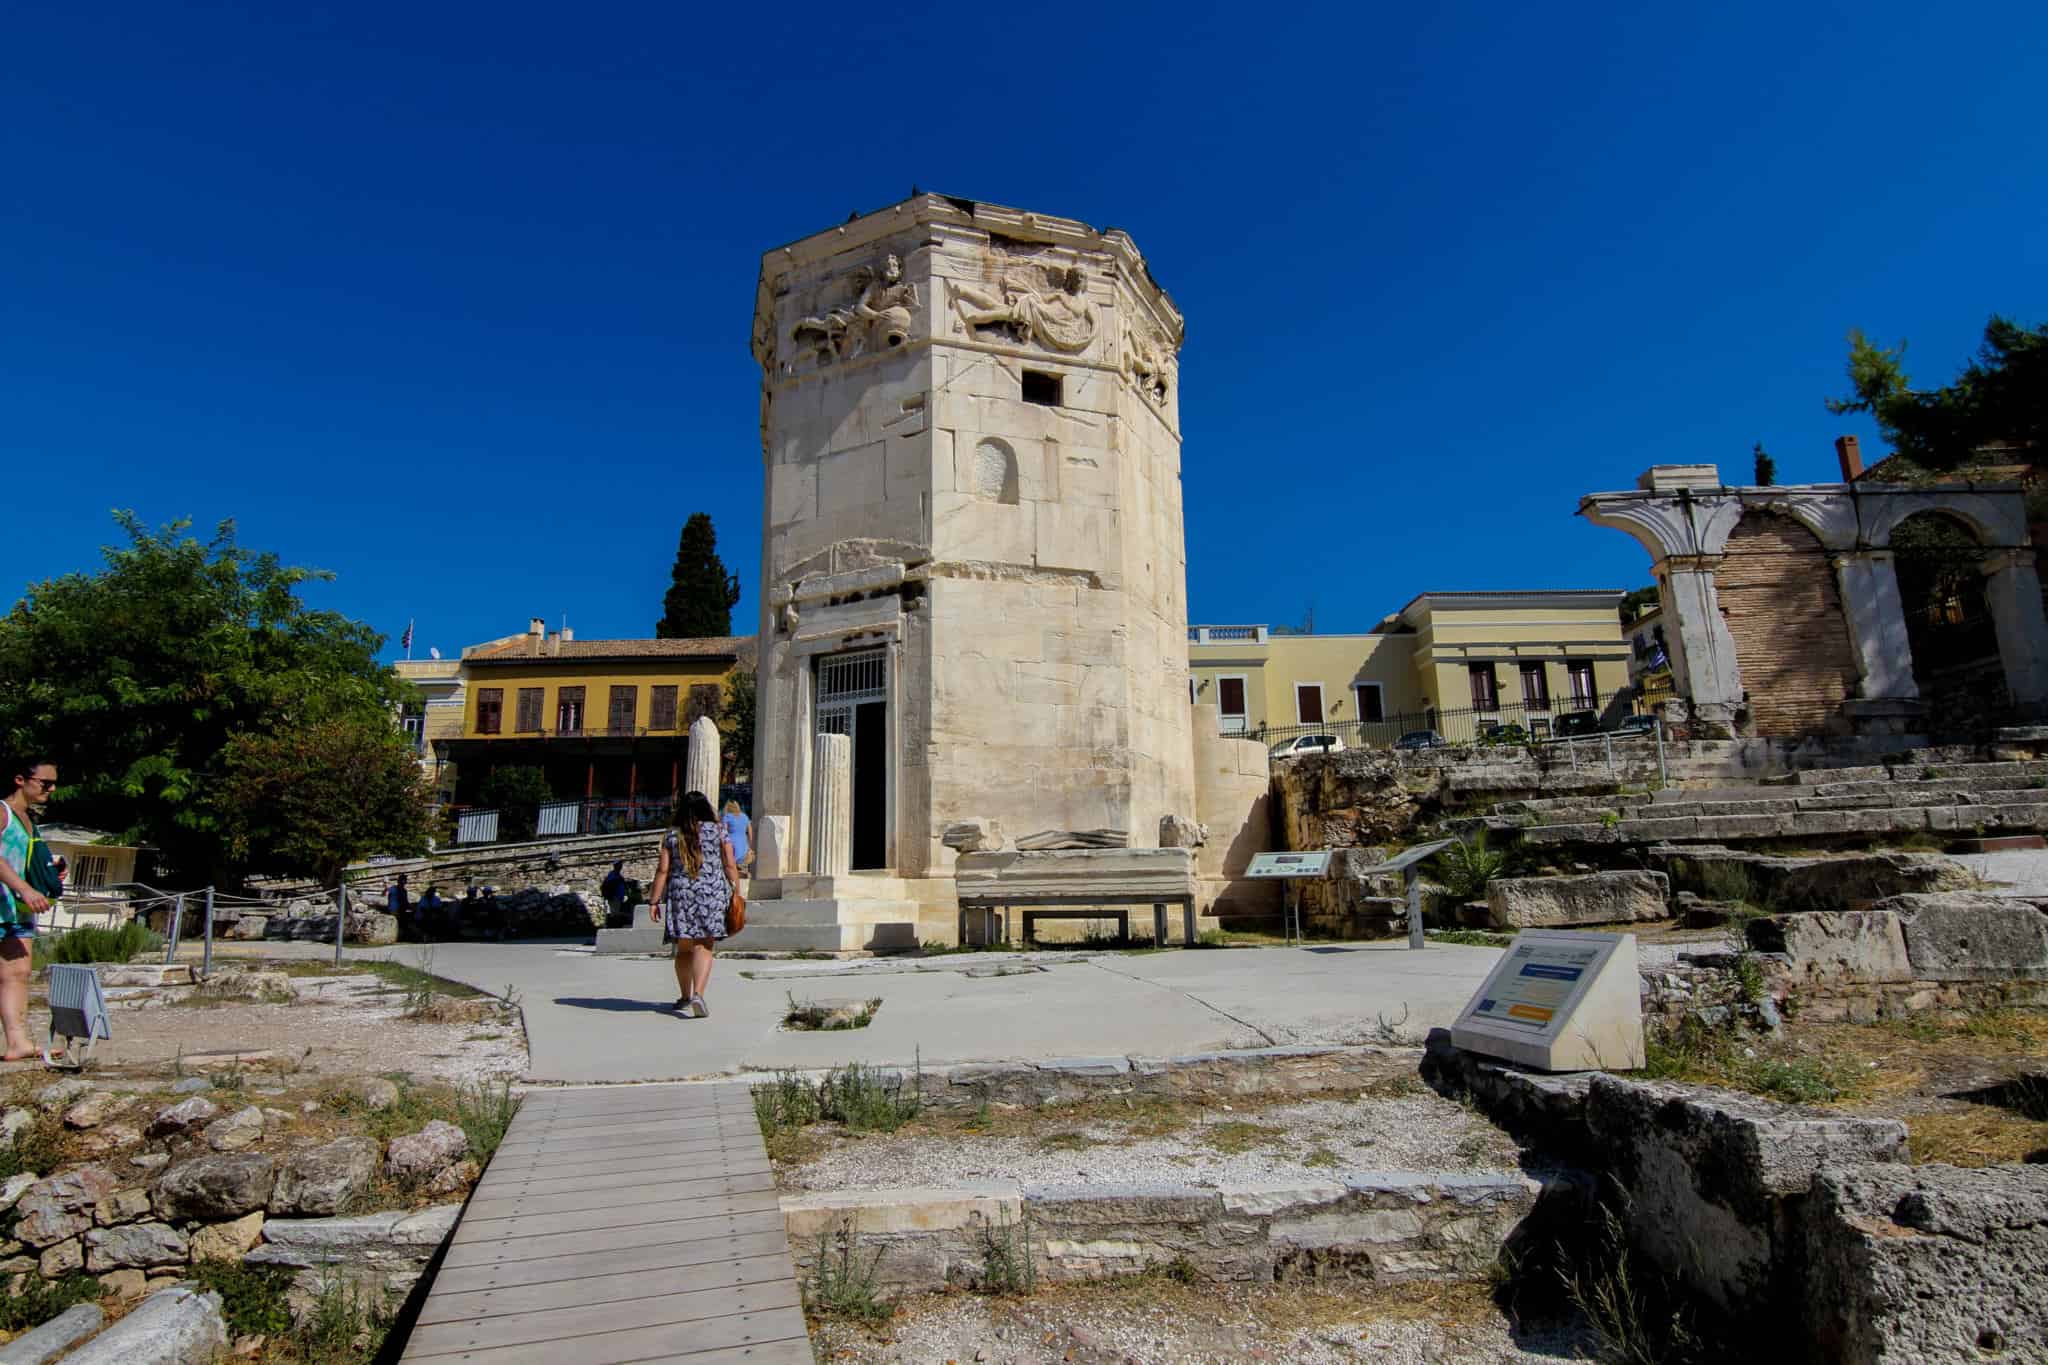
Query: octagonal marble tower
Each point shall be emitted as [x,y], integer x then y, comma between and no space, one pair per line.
[972,555]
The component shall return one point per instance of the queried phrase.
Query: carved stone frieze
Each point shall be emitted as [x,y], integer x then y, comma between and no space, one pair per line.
[1148,362]
[877,317]
[1046,305]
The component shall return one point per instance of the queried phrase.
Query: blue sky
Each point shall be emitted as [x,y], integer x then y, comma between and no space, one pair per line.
[454,300]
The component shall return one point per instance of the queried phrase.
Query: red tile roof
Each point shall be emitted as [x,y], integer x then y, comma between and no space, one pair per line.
[530,648]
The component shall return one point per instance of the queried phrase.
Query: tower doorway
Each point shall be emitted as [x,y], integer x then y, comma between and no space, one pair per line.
[853,700]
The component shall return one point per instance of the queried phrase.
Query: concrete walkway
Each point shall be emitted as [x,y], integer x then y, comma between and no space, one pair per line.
[592,1019]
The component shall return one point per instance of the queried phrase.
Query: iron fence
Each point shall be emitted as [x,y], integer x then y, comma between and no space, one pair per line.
[1508,723]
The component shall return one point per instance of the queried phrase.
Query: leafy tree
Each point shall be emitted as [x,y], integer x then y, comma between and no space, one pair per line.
[2001,398]
[517,792]
[736,720]
[701,593]
[137,677]
[1635,603]
[307,800]
[1766,467]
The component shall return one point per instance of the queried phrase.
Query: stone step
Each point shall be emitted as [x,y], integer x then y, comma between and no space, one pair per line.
[1948,819]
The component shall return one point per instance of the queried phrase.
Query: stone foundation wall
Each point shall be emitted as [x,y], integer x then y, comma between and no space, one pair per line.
[1382,1227]
[1804,1229]
[1233,798]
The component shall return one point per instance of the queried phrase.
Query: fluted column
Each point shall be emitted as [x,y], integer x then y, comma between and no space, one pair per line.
[830,845]
[702,773]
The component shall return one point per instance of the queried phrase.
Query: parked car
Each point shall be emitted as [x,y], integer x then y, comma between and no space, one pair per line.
[1502,732]
[1307,744]
[1636,725]
[1420,739]
[1576,723]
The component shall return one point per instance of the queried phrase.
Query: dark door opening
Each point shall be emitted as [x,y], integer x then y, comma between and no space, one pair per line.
[870,786]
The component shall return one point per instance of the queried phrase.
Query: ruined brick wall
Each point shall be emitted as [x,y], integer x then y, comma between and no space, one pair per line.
[1791,642]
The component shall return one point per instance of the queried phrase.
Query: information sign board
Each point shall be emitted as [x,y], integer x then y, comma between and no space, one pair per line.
[1289,864]
[1559,1000]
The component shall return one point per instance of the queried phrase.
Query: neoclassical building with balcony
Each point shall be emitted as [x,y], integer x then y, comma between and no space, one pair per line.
[603,719]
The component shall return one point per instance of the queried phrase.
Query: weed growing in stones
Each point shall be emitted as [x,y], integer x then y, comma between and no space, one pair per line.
[39,1300]
[811,1015]
[1475,938]
[484,1110]
[347,1323]
[1007,1265]
[1636,1316]
[1065,1142]
[1719,881]
[1322,1158]
[1749,976]
[786,1103]
[844,1285]
[1238,1136]
[867,1100]
[1691,1051]
[1180,1270]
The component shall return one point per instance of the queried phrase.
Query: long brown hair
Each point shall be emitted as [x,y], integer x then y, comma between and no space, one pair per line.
[693,811]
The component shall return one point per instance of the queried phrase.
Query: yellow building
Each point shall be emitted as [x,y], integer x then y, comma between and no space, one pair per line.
[603,719]
[437,717]
[1452,662]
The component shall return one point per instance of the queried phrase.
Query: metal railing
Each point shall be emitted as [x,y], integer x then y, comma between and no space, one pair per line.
[1518,723]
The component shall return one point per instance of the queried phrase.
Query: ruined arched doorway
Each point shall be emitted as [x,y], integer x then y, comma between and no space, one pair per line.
[1784,611]
[1940,563]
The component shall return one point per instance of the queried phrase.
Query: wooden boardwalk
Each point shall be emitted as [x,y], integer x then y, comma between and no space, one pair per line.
[631,1223]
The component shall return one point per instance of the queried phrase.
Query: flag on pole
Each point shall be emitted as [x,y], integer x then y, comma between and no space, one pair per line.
[405,640]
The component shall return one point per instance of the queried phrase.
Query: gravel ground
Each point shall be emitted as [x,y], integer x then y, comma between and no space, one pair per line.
[1166,1325]
[1414,1130]
[337,1025]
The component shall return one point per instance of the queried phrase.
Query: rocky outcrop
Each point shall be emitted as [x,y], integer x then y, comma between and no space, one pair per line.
[1816,882]
[215,1188]
[323,1181]
[135,1245]
[181,1116]
[1593,898]
[173,1326]
[422,1155]
[1923,1265]
[1350,800]
[61,1206]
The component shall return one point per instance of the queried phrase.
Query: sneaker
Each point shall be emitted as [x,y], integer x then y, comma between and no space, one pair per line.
[699,1008]
[682,1006]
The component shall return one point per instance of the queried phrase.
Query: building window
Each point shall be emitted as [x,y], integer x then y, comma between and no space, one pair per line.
[1583,696]
[1230,703]
[707,699]
[1042,388]
[1372,703]
[526,720]
[661,704]
[1308,703]
[490,710]
[414,726]
[569,711]
[1485,691]
[624,709]
[1535,687]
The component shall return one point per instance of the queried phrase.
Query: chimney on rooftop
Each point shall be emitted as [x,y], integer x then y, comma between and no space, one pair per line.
[568,634]
[1847,451]
[555,643]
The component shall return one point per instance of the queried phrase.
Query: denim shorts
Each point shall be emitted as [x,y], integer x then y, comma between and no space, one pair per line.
[22,928]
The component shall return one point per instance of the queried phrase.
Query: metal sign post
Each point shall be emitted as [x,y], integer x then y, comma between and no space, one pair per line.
[1408,862]
[1290,867]
[340,920]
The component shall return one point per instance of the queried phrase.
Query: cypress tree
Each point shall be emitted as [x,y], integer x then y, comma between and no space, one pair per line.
[701,593]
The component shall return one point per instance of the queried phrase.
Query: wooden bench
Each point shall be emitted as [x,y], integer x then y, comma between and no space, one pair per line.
[1086,906]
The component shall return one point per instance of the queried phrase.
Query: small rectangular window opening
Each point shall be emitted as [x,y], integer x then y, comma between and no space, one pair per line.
[1043,388]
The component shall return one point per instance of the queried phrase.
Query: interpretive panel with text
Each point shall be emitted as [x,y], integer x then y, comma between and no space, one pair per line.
[1559,1001]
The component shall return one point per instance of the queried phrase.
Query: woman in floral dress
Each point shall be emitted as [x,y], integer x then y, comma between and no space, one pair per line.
[695,878]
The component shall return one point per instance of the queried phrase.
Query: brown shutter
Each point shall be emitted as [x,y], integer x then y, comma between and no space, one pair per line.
[625,704]
[1230,696]
[527,720]
[490,710]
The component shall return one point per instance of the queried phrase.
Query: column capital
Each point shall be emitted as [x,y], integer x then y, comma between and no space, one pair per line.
[1872,555]
[2000,560]
[1688,564]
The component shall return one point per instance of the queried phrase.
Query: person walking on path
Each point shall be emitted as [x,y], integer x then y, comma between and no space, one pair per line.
[694,878]
[28,782]
[739,832]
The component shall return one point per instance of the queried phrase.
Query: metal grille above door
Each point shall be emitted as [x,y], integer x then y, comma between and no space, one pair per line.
[853,677]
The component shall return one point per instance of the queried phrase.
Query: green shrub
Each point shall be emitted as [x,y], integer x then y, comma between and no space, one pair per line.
[788,1102]
[90,943]
[1467,866]
[1719,881]
[1635,1316]
[252,1297]
[40,1300]
[867,1100]
[347,1323]
[36,1149]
